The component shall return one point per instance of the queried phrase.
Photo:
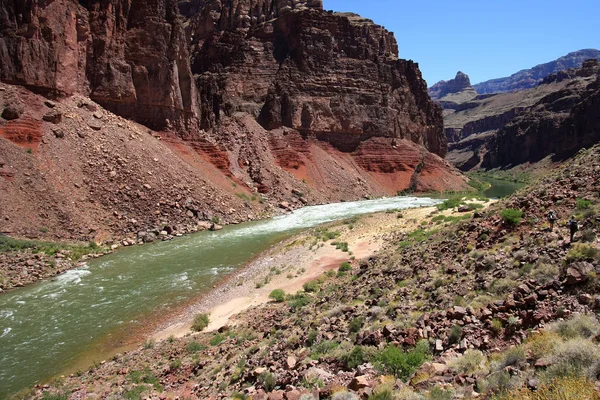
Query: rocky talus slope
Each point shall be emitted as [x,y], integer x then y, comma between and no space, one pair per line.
[530,78]
[556,118]
[467,306]
[123,119]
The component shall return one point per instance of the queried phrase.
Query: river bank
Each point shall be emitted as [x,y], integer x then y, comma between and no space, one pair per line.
[295,262]
[88,314]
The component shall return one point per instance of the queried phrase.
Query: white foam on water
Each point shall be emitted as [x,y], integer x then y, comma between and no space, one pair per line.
[7,314]
[72,277]
[316,215]
[5,332]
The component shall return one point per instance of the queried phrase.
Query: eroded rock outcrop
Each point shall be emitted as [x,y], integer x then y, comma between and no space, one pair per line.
[560,124]
[458,84]
[509,129]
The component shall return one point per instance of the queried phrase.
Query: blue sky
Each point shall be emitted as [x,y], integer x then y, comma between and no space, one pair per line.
[484,38]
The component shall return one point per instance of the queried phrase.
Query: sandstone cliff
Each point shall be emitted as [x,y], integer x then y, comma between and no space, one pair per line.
[275,96]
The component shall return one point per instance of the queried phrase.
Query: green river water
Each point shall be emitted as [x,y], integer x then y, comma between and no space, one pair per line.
[88,313]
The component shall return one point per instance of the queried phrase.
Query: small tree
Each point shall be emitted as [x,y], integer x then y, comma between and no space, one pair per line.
[278,295]
[511,216]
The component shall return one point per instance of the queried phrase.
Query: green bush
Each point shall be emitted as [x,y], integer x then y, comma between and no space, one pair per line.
[382,394]
[401,363]
[455,334]
[437,393]
[355,358]
[217,339]
[344,267]
[277,295]
[311,287]
[514,357]
[201,321]
[195,347]
[449,204]
[268,381]
[298,301]
[356,324]
[511,216]
[583,204]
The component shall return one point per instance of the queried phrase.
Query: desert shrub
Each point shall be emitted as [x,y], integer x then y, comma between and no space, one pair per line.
[514,357]
[268,381]
[200,322]
[311,287]
[541,344]
[502,286]
[455,334]
[588,235]
[217,339]
[401,363]
[194,347]
[322,348]
[583,204]
[545,272]
[298,301]
[581,251]
[450,203]
[584,326]
[473,362]
[511,216]
[382,394]
[573,358]
[407,393]
[277,295]
[344,396]
[498,382]
[437,393]
[569,388]
[344,267]
[356,324]
[55,396]
[355,358]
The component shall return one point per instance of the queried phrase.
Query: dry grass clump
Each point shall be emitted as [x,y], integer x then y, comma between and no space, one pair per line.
[567,388]
[542,344]
[473,362]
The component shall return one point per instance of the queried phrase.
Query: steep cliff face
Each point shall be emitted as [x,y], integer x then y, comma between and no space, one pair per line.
[331,76]
[130,56]
[269,97]
[560,124]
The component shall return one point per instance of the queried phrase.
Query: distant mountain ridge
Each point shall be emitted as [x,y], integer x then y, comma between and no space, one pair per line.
[530,78]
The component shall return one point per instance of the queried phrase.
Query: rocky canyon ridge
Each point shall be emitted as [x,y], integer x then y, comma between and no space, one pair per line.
[168,113]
